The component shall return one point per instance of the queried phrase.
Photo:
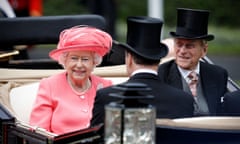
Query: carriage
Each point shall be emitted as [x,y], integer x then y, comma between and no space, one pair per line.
[19,78]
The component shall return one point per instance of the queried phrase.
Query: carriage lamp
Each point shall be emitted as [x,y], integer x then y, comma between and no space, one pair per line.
[130,120]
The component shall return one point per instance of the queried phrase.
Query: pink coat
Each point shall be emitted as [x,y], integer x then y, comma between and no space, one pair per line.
[59,109]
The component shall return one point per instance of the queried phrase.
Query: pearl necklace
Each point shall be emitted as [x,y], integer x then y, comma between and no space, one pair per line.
[80,90]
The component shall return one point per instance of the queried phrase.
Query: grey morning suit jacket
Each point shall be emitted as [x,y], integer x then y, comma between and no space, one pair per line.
[213,82]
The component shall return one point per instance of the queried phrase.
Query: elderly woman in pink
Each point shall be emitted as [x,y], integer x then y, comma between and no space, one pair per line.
[64,101]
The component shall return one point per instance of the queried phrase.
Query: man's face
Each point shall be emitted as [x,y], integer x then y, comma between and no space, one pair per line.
[188,52]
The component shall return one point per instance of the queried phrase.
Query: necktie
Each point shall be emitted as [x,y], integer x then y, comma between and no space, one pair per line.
[193,79]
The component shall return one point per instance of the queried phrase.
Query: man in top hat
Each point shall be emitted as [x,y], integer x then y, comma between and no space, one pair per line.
[209,82]
[143,52]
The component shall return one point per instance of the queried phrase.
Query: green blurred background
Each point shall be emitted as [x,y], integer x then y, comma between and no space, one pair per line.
[224,20]
[224,23]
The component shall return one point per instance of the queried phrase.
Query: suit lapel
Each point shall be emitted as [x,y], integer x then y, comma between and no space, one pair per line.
[174,76]
[209,86]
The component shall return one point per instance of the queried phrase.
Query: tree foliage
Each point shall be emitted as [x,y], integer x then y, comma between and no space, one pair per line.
[223,12]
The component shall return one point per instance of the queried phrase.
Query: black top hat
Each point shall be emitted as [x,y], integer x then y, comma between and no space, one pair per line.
[192,24]
[143,37]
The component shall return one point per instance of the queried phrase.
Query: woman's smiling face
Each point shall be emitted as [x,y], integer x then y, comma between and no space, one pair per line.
[79,65]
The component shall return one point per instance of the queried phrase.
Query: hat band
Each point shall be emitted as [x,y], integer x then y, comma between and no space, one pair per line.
[182,31]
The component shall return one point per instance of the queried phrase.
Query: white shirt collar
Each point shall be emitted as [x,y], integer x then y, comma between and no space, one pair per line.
[185,73]
[144,71]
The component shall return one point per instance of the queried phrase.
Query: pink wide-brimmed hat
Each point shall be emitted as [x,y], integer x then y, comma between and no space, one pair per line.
[82,38]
